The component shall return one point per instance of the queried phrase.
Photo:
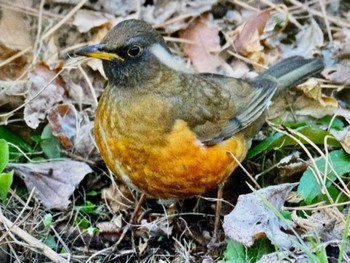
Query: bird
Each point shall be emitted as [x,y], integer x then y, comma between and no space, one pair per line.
[169,132]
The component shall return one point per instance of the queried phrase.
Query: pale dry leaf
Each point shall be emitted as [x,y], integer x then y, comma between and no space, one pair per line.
[15,31]
[251,218]
[163,10]
[63,122]
[326,223]
[291,164]
[111,230]
[246,38]
[312,89]
[118,197]
[84,142]
[50,94]
[205,40]
[12,93]
[343,136]
[307,42]
[339,73]
[54,182]
[280,257]
[85,20]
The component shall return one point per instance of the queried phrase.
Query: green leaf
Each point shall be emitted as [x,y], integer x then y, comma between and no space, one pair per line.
[6,180]
[337,124]
[4,154]
[10,136]
[308,187]
[235,252]
[50,241]
[314,133]
[50,144]
[261,247]
[47,220]
[88,208]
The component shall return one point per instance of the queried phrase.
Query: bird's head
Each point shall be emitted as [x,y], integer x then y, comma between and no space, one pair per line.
[131,51]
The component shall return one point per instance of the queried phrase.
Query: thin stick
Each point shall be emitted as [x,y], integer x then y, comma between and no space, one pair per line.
[32,241]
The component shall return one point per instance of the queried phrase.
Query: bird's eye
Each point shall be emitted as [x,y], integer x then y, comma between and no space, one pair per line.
[135,51]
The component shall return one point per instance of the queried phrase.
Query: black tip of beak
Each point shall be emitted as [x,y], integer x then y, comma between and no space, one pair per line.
[85,51]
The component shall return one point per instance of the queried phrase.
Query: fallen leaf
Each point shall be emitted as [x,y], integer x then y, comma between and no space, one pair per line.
[54,182]
[246,38]
[205,40]
[161,11]
[343,136]
[15,31]
[252,219]
[12,93]
[118,197]
[63,122]
[307,42]
[339,73]
[312,89]
[111,230]
[327,224]
[85,20]
[46,91]
[291,165]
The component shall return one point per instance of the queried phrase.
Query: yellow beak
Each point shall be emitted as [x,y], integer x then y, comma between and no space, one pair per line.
[96,51]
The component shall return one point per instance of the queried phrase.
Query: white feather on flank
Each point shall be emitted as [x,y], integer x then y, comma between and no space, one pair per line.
[168,59]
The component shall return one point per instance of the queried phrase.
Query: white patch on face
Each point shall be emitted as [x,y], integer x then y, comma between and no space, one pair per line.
[168,59]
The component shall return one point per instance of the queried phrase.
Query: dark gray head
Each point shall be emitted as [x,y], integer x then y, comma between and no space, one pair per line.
[132,49]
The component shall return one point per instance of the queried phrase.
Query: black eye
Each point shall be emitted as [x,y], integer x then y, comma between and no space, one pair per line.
[135,51]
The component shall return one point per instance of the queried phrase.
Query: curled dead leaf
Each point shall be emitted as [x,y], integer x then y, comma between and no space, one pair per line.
[246,38]
[204,40]
[85,20]
[118,197]
[62,119]
[252,218]
[54,182]
[47,89]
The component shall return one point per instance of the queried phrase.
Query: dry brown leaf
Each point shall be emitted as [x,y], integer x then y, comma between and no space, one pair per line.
[339,73]
[163,10]
[54,182]
[111,230]
[246,38]
[42,95]
[343,136]
[252,219]
[291,165]
[12,93]
[85,20]
[118,197]
[13,69]
[307,42]
[205,39]
[326,223]
[63,123]
[312,89]
[15,31]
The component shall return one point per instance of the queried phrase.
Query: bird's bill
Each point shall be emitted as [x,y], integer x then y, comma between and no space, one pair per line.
[96,51]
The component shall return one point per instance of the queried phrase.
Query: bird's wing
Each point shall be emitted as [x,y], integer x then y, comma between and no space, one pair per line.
[217,107]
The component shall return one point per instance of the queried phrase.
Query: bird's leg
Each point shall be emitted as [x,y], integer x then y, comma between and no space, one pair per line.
[217,215]
[132,220]
[137,208]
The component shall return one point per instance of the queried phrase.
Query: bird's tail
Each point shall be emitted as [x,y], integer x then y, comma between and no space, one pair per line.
[293,71]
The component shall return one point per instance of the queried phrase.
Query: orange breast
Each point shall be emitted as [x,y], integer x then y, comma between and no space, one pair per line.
[176,167]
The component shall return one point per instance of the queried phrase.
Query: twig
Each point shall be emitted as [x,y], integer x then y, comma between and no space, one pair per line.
[32,241]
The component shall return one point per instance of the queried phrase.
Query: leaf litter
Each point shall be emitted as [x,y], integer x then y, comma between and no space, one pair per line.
[235,38]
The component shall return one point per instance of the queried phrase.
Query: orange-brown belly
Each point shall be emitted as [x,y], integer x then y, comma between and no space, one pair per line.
[178,167]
